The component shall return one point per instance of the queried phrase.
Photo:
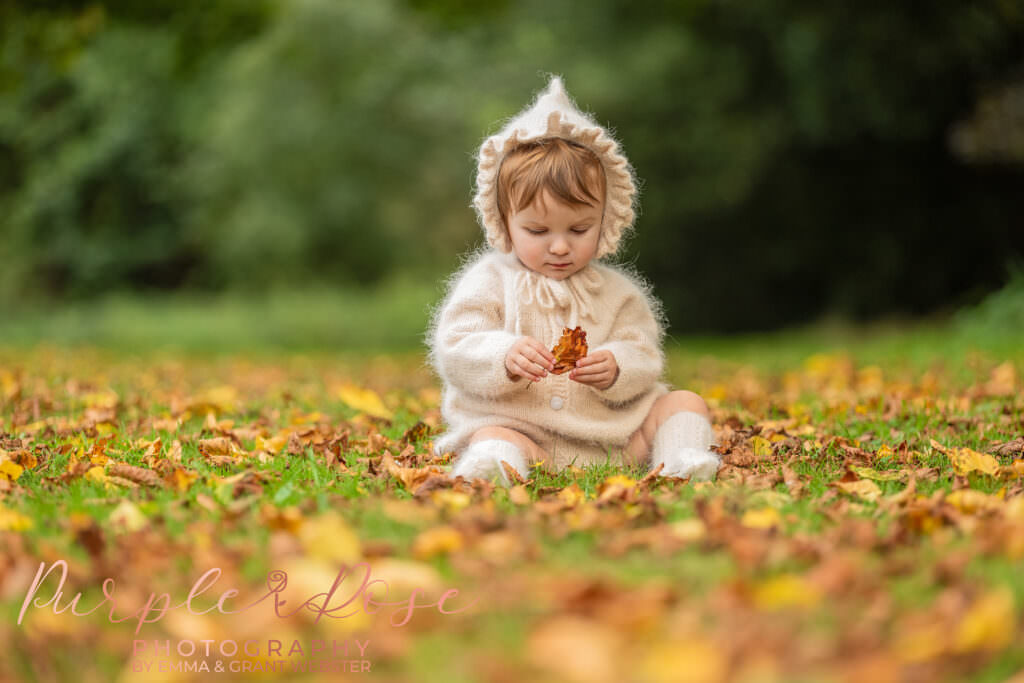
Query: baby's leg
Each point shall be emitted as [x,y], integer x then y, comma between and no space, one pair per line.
[489,446]
[677,432]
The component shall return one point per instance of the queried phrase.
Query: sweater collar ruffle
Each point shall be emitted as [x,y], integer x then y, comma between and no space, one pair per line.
[574,294]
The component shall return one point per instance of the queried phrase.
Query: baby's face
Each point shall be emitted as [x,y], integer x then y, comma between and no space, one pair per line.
[553,238]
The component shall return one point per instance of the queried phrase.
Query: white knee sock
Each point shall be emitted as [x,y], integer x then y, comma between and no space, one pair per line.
[682,442]
[483,459]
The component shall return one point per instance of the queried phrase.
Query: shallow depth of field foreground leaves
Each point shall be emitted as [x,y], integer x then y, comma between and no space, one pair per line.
[867,524]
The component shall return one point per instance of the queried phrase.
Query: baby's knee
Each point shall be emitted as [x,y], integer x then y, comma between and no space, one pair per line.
[680,401]
[503,433]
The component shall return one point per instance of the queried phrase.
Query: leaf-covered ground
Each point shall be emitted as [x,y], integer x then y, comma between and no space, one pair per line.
[867,525]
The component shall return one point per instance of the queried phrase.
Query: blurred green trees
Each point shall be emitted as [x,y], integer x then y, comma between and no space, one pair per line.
[796,159]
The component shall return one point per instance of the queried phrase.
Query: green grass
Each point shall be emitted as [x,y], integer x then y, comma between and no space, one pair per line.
[376,338]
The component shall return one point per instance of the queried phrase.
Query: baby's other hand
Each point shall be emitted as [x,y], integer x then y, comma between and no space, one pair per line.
[597,369]
[530,359]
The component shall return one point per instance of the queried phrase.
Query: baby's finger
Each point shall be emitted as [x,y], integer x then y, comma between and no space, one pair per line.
[590,369]
[521,365]
[545,353]
[542,361]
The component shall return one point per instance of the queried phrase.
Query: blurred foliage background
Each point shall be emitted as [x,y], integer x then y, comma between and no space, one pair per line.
[854,160]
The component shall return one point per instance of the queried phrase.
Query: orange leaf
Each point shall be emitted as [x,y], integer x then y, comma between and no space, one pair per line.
[569,349]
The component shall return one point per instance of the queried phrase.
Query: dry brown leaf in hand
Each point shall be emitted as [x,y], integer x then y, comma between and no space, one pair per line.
[569,349]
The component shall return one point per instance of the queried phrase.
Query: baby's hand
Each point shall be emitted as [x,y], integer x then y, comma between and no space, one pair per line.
[530,359]
[598,369]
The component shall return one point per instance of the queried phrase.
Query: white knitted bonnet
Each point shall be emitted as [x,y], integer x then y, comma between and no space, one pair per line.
[553,114]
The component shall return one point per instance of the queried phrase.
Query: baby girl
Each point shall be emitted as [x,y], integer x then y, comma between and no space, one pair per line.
[555,195]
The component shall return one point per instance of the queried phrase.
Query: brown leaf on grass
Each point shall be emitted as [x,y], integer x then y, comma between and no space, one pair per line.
[651,476]
[89,535]
[512,473]
[792,481]
[576,649]
[219,445]
[139,475]
[742,457]
[519,495]
[433,483]
[570,348]
[418,432]
[1013,448]
[862,488]
[411,477]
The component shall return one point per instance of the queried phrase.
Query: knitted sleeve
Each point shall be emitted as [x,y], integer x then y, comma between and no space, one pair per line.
[469,342]
[635,341]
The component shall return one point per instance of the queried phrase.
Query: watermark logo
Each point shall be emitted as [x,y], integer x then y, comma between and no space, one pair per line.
[362,594]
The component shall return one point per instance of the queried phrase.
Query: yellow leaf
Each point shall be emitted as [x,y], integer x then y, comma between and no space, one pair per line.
[10,470]
[702,661]
[877,475]
[273,444]
[450,500]
[762,446]
[990,623]
[22,456]
[364,400]
[126,516]
[182,479]
[11,520]
[33,427]
[965,461]
[519,495]
[621,480]
[862,488]
[329,537]
[970,501]
[9,385]
[688,530]
[221,399]
[572,495]
[96,474]
[922,643]
[1003,381]
[786,590]
[441,539]
[764,518]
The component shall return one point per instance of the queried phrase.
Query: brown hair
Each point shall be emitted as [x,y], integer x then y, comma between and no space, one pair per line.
[568,170]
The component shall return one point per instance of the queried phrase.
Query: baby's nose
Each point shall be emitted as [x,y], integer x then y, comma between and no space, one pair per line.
[560,246]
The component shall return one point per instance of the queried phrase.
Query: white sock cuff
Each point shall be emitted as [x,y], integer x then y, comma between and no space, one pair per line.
[502,450]
[494,451]
[683,430]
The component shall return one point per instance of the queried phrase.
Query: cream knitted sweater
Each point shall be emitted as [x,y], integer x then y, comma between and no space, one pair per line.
[494,300]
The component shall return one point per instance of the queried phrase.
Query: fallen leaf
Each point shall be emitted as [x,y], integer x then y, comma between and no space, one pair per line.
[763,518]
[966,461]
[785,590]
[862,488]
[990,623]
[437,541]
[364,400]
[571,347]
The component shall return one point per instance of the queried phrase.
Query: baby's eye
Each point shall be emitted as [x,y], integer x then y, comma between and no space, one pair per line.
[580,231]
[536,232]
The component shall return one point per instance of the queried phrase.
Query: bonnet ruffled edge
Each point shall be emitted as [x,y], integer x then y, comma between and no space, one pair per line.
[621,192]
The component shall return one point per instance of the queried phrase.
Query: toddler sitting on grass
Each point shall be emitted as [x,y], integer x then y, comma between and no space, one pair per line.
[555,195]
